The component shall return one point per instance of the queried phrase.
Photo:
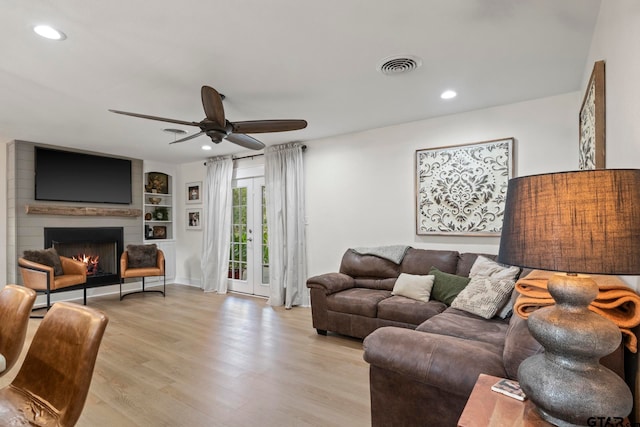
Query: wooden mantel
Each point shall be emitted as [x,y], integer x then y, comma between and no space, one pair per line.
[80,211]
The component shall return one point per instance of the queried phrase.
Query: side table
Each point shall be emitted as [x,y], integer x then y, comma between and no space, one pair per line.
[486,408]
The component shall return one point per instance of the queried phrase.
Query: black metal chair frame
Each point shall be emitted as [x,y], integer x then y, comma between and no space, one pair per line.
[143,290]
[48,291]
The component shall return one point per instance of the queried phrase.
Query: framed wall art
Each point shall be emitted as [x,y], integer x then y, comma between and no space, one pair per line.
[157,182]
[194,219]
[194,192]
[462,189]
[592,122]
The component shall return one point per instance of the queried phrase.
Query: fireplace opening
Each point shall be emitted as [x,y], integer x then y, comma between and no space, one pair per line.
[99,248]
[98,257]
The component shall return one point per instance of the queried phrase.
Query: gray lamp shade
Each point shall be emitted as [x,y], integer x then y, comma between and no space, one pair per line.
[575,222]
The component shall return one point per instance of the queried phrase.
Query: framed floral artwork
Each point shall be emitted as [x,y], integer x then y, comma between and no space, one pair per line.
[462,189]
[194,192]
[194,219]
[592,122]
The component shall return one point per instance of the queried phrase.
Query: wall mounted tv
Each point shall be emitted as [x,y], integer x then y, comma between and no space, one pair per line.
[76,177]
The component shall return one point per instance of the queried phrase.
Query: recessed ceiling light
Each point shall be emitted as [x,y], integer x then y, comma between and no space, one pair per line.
[206,147]
[49,32]
[448,94]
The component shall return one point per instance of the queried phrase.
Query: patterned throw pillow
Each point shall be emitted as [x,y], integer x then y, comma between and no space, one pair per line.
[486,267]
[413,286]
[142,256]
[484,296]
[47,257]
[446,286]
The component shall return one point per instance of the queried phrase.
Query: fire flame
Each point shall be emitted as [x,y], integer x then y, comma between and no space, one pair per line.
[91,261]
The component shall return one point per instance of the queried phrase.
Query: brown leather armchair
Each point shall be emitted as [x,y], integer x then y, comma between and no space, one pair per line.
[41,278]
[16,303]
[53,382]
[127,272]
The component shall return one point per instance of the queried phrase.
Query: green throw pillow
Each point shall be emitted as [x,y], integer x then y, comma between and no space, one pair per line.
[446,287]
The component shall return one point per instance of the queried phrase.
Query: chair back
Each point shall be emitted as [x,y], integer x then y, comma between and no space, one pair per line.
[59,364]
[16,303]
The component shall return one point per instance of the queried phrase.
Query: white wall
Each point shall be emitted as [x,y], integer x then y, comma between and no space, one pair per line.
[360,187]
[615,40]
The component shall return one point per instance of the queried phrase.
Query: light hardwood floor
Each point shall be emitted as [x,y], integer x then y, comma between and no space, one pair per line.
[202,359]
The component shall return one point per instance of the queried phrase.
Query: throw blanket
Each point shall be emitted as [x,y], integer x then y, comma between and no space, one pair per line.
[615,301]
[393,253]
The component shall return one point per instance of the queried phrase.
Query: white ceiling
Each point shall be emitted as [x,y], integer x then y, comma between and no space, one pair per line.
[276,59]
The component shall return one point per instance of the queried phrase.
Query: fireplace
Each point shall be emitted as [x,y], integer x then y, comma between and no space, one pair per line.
[99,247]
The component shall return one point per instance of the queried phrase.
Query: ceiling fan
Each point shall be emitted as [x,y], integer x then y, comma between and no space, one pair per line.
[217,127]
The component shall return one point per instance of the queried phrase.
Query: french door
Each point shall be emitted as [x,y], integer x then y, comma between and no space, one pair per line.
[249,254]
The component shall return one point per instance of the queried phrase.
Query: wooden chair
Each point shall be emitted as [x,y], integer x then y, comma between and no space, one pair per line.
[16,303]
[128,272]
[41,278]
[53,382]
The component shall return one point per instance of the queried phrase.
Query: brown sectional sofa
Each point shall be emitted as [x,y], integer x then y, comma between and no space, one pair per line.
[357,300]
[424,366]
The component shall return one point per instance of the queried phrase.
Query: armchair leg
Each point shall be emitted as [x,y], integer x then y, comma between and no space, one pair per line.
[143,291]
[42,308]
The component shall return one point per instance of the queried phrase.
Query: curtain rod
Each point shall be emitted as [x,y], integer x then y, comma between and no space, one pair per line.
[251,156]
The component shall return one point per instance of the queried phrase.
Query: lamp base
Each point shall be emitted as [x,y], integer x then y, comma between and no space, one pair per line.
[567,382]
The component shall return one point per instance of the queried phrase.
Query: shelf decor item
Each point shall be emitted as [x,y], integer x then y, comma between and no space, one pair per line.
[461,189]
[574,222]
[194,192]
[592,122]
[157,182]
[161,213]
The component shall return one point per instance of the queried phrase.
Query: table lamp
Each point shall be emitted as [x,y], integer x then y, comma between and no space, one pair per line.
[574,222]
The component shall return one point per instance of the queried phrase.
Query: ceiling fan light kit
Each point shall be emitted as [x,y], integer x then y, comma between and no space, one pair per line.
[217,127]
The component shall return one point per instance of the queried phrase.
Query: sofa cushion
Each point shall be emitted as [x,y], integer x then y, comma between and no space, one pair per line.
[446,287]
[142,256]
[361,301]
[367,266]
[488,268]
[458,323]
[48,257]
[420,261]
[407,310]
[413,286]
[484,296]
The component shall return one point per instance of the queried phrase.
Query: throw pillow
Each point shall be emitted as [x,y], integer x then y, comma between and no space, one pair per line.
[413,286]
[446,287]
[142,256]
[47,257]
[484,296]
[486,267]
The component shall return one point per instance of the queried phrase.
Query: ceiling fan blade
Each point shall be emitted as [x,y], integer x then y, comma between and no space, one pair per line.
[245,141]
[263,126]
[160,119]
[186,138]
[212,104]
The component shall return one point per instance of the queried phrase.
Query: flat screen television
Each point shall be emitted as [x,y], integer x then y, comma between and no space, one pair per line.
[76,177]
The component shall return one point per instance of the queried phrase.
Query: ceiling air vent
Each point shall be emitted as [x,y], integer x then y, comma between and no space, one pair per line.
[399,64]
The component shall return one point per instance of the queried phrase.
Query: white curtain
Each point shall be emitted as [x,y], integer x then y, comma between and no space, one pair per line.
[284,182]
[217,225]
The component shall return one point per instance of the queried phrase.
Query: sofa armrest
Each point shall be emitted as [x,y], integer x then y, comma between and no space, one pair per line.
[331,282]
[444,362]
